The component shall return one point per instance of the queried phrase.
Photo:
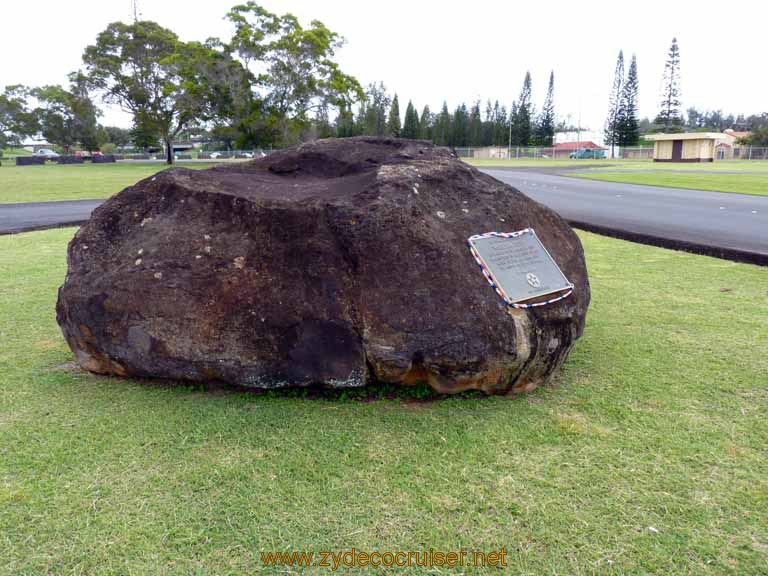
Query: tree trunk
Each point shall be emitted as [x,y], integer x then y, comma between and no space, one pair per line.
[168,150]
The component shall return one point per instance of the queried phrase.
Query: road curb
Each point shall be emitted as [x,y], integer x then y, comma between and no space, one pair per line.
[41,227]
[732,254]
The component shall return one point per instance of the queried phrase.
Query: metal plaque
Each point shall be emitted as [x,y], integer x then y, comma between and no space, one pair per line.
[518,265]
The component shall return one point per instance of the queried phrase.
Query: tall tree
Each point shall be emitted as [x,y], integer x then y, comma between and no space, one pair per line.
[134,66]
[611,121]
[117,136]
[669,109]
[393,120]
[68,117]
[293,68]
[460,127]
[521,116]
[17,121]
[426,124]
[411,124]
[475,126]
[441,135]
[374,109]
[500,125]
[627,124]
[545,125]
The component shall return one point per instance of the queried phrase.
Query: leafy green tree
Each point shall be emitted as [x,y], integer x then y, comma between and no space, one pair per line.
[411,124]
[345,123]
[136,66]
[17,121]
[143,133]
[627,124]
[545,124]
[669,117]
[323,127]
[372,117]
[614,102]
[219,86]
[68,117]
[393,120]
[292,68]
[759,136]
[117,136]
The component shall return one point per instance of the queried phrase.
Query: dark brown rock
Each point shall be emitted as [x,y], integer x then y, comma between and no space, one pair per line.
[340,262]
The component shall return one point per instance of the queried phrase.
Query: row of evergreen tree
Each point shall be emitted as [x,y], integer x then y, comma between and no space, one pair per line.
[466,126]
[622,127]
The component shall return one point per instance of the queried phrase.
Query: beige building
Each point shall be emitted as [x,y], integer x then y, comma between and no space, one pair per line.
[685,147]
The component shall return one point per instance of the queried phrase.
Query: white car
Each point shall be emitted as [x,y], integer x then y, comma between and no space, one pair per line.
[46,152]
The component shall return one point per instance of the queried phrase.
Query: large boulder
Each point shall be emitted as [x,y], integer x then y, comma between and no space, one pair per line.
[341,263]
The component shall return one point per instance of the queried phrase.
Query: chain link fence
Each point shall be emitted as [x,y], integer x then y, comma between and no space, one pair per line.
[619,153]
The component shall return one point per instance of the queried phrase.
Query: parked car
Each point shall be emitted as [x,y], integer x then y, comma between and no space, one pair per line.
[47,153]
[587,153]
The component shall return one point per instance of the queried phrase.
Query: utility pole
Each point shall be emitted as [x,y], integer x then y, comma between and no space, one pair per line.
[135,10]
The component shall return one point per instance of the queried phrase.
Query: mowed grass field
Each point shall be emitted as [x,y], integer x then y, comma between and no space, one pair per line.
[756,184]
[648,455]
[75,181]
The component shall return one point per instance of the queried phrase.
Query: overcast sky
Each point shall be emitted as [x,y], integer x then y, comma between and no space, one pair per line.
[463,51]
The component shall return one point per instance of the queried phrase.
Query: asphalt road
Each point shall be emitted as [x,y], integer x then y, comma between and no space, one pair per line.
[729,221]
[38,215]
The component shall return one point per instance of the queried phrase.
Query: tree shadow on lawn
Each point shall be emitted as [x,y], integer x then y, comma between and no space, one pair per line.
[418,394]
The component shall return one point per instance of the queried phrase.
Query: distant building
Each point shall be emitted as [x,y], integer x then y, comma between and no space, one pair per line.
[730,147]
[580,136]
[685,147]
[565,149]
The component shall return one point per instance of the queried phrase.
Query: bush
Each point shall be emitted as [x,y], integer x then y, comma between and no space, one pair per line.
[108,148]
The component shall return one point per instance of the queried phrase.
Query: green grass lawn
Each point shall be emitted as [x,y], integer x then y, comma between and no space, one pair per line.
[647,456]
[74,182]
[739,183]
[8,153]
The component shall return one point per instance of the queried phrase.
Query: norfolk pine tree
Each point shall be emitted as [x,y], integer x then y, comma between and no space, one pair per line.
[393,121]
[628,127]
[411,125]
[545,127]
[613,104]
[669,109]
[426,123]
[521,116]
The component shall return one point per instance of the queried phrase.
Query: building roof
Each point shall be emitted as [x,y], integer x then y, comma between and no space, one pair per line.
[579,145]
[688,136]
[736,134]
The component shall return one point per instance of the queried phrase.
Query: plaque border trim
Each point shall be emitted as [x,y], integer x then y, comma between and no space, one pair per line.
[495,284]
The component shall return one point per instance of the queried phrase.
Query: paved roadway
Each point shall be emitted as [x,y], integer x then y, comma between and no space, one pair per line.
[37,215]
[731,221]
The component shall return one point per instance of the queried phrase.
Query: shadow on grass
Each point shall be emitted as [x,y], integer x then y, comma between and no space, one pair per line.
[420,393]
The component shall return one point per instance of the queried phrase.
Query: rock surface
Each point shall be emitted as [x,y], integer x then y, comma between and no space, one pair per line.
[342,262]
